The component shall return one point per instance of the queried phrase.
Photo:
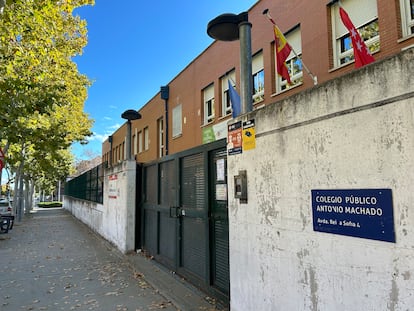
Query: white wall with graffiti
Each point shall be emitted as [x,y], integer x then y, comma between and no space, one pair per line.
[115,218]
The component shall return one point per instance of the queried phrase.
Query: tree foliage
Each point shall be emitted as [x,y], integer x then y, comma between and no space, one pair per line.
[42,93]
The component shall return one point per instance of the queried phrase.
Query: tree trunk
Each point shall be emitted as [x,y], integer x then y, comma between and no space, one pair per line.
[21,195]
[28,196]
[31,194]
[18,192]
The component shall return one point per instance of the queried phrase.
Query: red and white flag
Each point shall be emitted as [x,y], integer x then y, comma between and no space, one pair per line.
[2,161]
[362,54]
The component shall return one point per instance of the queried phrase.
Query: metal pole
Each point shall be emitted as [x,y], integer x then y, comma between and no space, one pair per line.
[128,141]
[246,83]
[59,186]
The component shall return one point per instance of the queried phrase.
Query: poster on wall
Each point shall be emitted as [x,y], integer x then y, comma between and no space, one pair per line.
[241,137]
[234,139]
[221,192]
[249,135]
[363,213]
[221,170]
[113,186]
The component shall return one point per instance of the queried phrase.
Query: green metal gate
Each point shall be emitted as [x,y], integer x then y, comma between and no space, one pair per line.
[185,220]
[219,222]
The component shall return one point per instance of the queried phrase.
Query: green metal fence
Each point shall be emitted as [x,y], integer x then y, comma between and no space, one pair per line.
[88,186]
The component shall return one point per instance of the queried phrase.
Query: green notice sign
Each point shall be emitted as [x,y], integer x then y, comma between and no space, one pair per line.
[208,135]
[215,132]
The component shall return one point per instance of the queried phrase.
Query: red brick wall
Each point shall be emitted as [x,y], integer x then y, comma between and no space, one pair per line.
[186,88]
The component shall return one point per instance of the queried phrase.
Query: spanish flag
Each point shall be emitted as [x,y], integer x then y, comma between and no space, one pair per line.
[283,50]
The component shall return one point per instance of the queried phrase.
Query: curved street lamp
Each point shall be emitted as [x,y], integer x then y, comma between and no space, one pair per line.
[129,115]
[231,27]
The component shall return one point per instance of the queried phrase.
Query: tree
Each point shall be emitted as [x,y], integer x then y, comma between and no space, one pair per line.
[42,93]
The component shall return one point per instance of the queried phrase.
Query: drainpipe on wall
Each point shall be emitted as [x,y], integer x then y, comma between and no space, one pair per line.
[165,95]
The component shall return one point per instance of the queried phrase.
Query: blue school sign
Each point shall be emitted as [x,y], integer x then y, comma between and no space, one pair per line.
[363,213]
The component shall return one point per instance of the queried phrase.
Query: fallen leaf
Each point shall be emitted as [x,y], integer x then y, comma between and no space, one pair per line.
[111,294]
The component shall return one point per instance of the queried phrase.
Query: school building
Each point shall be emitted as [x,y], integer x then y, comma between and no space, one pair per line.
[313,210]
[198,108]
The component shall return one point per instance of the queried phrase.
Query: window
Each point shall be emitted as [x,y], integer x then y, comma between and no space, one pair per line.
[160,127]
[177,121]
[146,138]
[258,78]
[407,18]
[225,96]
[208,104]
[140,142]
[293,62]
[364,16]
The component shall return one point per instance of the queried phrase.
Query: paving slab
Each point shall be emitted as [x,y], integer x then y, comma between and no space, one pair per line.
[52,261]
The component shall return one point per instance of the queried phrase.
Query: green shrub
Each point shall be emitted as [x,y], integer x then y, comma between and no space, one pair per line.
[49,204]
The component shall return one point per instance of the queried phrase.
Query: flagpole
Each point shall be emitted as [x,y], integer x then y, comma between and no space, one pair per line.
[313,77]
[234,97]
[229,78]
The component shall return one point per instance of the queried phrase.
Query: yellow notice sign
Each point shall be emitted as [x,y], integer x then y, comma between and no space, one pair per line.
[249,135]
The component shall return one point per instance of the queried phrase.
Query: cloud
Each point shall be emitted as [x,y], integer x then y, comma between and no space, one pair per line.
[114,127]
[113,107]
[107,118]
[102,137]
[98,137]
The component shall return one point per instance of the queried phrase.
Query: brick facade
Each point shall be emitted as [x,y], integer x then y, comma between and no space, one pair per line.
[186,89]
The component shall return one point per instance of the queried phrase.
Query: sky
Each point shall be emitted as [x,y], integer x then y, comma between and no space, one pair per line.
[134,48]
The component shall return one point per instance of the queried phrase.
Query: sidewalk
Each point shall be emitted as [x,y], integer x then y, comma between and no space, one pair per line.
[182,294]
[51,261]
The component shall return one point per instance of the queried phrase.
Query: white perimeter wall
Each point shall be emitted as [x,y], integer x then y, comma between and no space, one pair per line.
[339,135]
[115,219]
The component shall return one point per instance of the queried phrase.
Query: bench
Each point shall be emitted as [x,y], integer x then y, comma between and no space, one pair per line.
[6,223]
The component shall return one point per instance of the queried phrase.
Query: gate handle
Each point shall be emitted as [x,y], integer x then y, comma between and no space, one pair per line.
[175,212]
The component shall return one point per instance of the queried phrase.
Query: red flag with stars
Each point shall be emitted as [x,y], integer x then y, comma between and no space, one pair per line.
[362,54]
